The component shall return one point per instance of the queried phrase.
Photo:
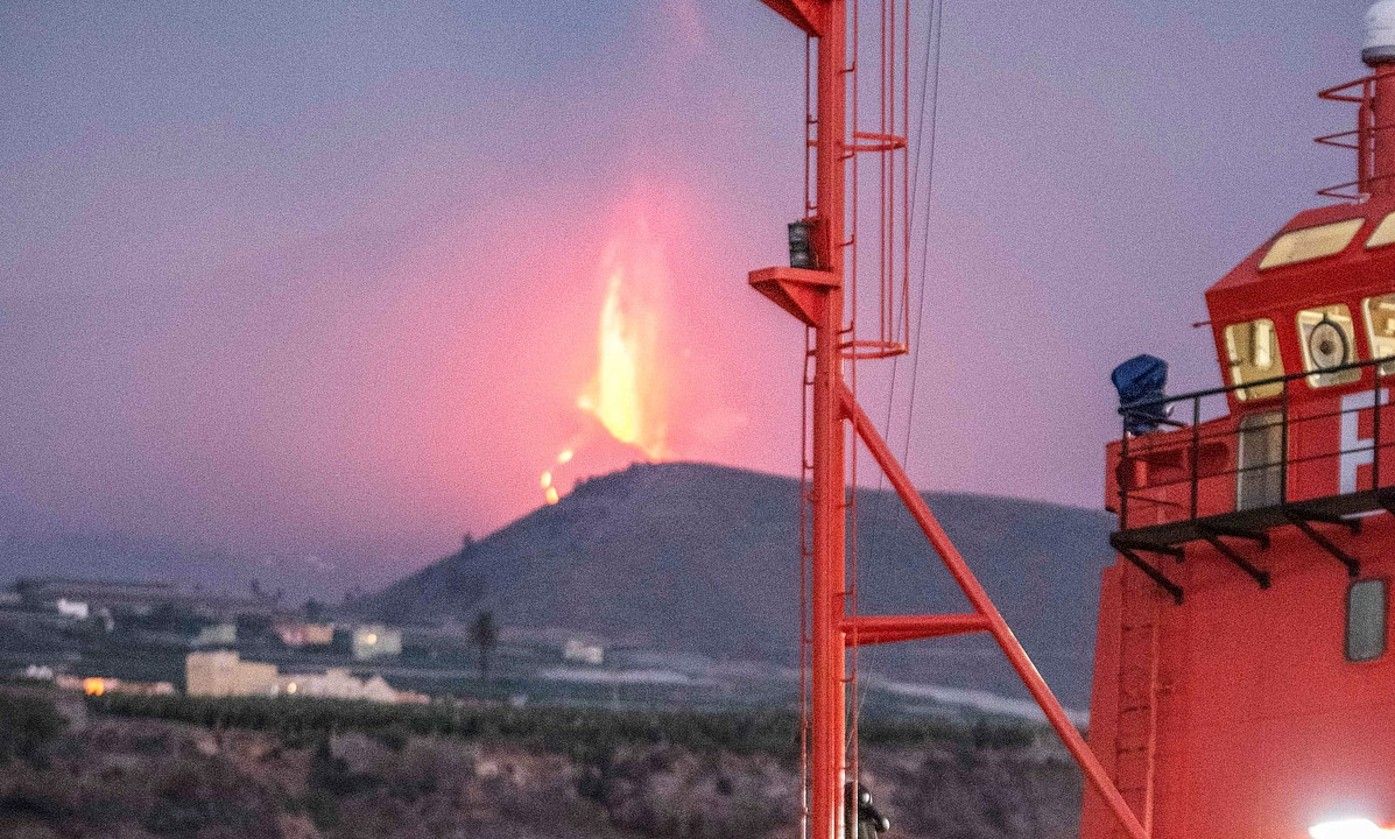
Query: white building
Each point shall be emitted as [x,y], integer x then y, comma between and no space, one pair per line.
[583,653]
[336,683]
[224,673]
[216,635]
[75,609]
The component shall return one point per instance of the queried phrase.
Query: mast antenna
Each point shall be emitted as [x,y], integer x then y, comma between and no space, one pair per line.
[820,289]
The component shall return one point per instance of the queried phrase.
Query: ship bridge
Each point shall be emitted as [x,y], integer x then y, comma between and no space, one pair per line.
[1244,680]
[1302,435]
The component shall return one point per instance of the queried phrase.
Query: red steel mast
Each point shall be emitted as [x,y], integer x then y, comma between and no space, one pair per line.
[816,297]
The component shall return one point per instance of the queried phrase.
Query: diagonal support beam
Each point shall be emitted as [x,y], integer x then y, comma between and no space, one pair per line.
[1163,581]
[1177,553]
[997,626]
[1260,576]
[1296,512]
[1257,536]
[1299,521]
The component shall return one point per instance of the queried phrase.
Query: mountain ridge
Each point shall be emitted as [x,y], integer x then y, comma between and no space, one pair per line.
[702,559]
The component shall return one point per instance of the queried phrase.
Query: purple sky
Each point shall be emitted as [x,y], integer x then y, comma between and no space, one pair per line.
[323,279]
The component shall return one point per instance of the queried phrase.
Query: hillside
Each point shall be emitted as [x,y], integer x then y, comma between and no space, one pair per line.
[545,775]
[701,559]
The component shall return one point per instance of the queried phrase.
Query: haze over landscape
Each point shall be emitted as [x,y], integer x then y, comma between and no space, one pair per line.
[316,289]
[392,444]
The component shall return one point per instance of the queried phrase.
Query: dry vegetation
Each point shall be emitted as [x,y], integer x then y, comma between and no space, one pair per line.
[132,778]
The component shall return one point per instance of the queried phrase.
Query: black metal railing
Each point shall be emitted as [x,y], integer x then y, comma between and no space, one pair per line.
[1228,464]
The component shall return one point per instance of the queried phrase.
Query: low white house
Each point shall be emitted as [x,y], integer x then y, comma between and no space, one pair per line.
[223,673]
[336,683]
[75,609]
[216,635]
[583,653]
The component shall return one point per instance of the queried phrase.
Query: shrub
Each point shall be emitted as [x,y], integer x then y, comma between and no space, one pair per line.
[586,735]
[27,726]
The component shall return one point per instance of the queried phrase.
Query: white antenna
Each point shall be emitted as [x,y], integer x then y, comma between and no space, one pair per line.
[1378,46]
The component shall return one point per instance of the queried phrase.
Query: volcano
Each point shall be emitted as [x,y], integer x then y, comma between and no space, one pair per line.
[701,559]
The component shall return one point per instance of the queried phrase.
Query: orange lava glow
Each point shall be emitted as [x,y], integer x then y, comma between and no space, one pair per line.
[93,686]
[626,394]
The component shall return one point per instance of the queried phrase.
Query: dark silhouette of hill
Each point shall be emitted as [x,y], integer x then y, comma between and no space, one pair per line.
[694,558]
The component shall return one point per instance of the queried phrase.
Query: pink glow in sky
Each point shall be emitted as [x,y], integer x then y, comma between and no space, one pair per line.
[326,281]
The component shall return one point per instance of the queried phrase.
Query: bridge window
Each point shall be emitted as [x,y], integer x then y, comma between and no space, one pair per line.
[1253,351]
[1366,620]
[1328,341]
[1384,233]
[1311,243]
[1380,328]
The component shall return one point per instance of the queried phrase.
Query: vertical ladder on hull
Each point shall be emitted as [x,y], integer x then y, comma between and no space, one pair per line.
[1136,737]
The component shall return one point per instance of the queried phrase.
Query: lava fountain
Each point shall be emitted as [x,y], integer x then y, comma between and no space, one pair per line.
[627,393]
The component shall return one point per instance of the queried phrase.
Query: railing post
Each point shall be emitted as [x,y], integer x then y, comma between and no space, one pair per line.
[1283,446]
[1123,475]
[1196,452]
[1375,427]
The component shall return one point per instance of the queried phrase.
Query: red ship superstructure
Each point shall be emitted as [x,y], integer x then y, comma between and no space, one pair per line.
[1244,686]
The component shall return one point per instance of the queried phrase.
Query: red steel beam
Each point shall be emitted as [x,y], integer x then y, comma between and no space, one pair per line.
[861,630]
[828,580]
[806,14]
[983,604]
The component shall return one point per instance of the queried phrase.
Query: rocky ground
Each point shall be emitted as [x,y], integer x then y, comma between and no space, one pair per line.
[133,779]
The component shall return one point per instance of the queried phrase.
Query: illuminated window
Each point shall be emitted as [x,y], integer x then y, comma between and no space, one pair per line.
[1366,620]
[1253,351]
[1328,341]
[1384,233]
[1380,328]
[1311,243]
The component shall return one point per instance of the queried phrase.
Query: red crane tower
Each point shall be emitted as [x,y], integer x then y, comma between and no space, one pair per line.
[820,290]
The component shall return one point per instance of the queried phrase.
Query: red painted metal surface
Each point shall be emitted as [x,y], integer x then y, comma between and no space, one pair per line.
[1229,707]
[1383,117]
[817,299]
[862,630]
[1095,774]
[1236,714]
[828,590]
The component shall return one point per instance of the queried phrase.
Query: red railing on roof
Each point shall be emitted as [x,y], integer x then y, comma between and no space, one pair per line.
[1362,93]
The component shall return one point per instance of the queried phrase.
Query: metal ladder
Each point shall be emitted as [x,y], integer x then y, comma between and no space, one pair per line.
[1136,728]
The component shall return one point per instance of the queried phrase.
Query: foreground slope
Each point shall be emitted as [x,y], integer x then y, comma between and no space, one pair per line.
[701,559]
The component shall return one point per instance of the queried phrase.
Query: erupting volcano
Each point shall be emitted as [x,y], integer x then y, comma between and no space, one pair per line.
[627,393]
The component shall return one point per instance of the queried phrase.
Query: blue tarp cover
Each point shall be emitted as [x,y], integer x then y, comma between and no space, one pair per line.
[1141,379]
